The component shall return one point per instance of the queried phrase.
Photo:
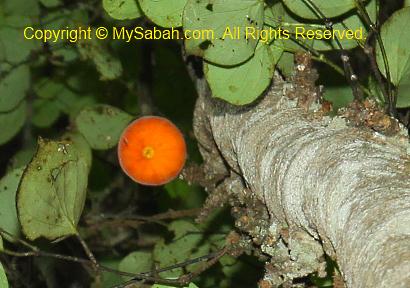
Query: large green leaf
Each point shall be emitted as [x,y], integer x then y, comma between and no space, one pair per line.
[221,18]
[8,214]
[52,192]
[45,112]
[328,8]
[81,145]
[102,125]
[3,278]
[136,262]
[242,84]
[11,122]
[122,9]
[164,13]
[46,88]
[13,47]
[403,94]
[13,87]
[396,42]
[20,7]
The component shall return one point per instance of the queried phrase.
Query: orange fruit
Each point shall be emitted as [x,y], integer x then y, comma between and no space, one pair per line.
[152,151]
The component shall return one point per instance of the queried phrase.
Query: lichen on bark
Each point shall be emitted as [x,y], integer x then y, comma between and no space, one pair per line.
[346,188]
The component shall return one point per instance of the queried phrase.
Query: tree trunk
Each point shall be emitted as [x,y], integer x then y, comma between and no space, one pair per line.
[326,187]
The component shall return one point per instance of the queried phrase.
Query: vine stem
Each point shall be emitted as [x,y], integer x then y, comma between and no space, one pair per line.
[135,220]
[388,95]
[185,279]
[351,77]
[211,259]
[88,251]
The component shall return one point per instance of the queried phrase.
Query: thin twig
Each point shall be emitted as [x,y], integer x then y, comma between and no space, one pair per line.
[135,220]
[16,239]
[369,51]
[88,251]
[175,214]
[351,77]
[147,276]
[47,255]
[184,279]
[389,97]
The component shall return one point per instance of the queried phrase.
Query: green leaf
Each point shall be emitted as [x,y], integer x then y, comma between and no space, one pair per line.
[108,279]
[11,122]
[244,83]
[52,192]
[14,48]
[286,64]
[396,42]
[8,214]
[13,88]
[102,125]
[187,243]
[46,88]
[230,266]
[122,9]
[339,96]
[60,97]
[50,3]
[61,19]
[136,262]
[81,145]
[328,8]
[45,112]
[164,13]
[223,18]
[107,65]
[1,244]
[21,8]
[406,3]
[403,94]
[72,104]
[3,278]
[178,188]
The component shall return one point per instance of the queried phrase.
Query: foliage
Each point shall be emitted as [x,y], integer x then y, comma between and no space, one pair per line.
[64,105]
[121,10]
[52,191]
[99,136]
[3,278]
[398,54]
[8,188]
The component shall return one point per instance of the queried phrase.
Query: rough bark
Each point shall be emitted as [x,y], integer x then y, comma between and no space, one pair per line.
[333,188]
